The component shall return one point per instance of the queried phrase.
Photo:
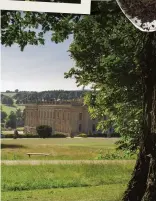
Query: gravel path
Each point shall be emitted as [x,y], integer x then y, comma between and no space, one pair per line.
[53,162]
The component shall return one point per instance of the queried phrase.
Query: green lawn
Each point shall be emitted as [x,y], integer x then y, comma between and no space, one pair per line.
[8,109]
[59,149]
[111,192]
[65,182]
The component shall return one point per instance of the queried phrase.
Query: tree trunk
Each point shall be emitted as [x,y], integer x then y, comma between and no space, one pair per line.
[142,186]
[150,193]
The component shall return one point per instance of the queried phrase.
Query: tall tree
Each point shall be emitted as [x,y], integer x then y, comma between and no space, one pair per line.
[3,116]
[11,121]
[118,60]
[7,100]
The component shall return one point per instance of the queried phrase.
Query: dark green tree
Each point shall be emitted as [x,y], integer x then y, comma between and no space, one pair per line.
[11,121]
[3,116]
[7,100]
[44,131]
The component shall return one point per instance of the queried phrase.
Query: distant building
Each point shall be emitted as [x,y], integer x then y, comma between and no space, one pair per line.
[70,118]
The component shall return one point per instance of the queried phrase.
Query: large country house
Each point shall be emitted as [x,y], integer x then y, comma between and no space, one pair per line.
[70,118]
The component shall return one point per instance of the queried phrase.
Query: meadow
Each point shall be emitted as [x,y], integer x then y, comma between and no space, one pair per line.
[9,109]
[58,181]
[59,149]
[65,182]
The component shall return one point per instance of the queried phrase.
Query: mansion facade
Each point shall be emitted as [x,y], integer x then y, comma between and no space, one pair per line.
[70,118]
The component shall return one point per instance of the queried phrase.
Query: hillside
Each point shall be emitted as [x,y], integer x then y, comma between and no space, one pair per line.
[8,109]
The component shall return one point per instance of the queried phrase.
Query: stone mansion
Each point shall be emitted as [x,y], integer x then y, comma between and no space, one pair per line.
[70,118]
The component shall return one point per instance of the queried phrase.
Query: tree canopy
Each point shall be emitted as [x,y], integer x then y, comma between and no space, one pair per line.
[7,100]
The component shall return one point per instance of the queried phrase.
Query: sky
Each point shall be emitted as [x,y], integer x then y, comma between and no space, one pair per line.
[37,68]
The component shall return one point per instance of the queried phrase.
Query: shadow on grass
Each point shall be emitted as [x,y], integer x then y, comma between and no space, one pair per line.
[11,146]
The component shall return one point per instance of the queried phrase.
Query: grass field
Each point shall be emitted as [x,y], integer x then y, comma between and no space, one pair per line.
[8,109]
[59,149]
[65,182]
[111,192]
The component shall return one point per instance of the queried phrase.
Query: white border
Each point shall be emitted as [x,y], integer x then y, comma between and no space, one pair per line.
[147,27]
[82,8]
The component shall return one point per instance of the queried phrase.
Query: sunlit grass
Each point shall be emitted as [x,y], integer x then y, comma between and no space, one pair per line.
[27,177]
[61,149]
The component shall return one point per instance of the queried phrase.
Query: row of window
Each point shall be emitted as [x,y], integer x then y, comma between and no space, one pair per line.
[54,115]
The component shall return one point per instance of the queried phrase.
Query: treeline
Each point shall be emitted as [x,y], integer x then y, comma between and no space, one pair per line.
[13,120]
[6,100]
[23,97]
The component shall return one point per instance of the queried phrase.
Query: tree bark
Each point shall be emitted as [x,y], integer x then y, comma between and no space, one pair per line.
[150,193]
[142,186]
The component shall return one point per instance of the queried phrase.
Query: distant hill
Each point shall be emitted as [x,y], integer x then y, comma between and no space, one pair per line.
[10,94]
[23,97]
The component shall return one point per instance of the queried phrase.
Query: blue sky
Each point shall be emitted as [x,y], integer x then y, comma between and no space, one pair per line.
[38,68]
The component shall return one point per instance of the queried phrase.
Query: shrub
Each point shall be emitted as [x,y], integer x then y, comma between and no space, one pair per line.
[8,135]
[117,156]
[82,135]
[21,136]
[98,135]
[59,135]
[115,135]
[44,131]
[2,125]
[20,128]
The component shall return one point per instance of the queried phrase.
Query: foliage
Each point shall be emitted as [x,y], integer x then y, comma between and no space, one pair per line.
[59,135]
[11,120]
[44,131]
[107,58]
[7,100]
[21,136]
[20,128]
[97,135]
[3,116]
[2,126]
[117,156]
[23,97]
[19,117]
[82,135]
[115,135]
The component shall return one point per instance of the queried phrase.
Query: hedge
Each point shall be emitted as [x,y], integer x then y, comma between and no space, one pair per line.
[33,136]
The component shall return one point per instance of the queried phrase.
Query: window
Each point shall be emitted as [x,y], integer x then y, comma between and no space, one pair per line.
[80,128]
[51,114]
[54,115]
[80,116]
[68,116]
[58,114]
[93,128]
